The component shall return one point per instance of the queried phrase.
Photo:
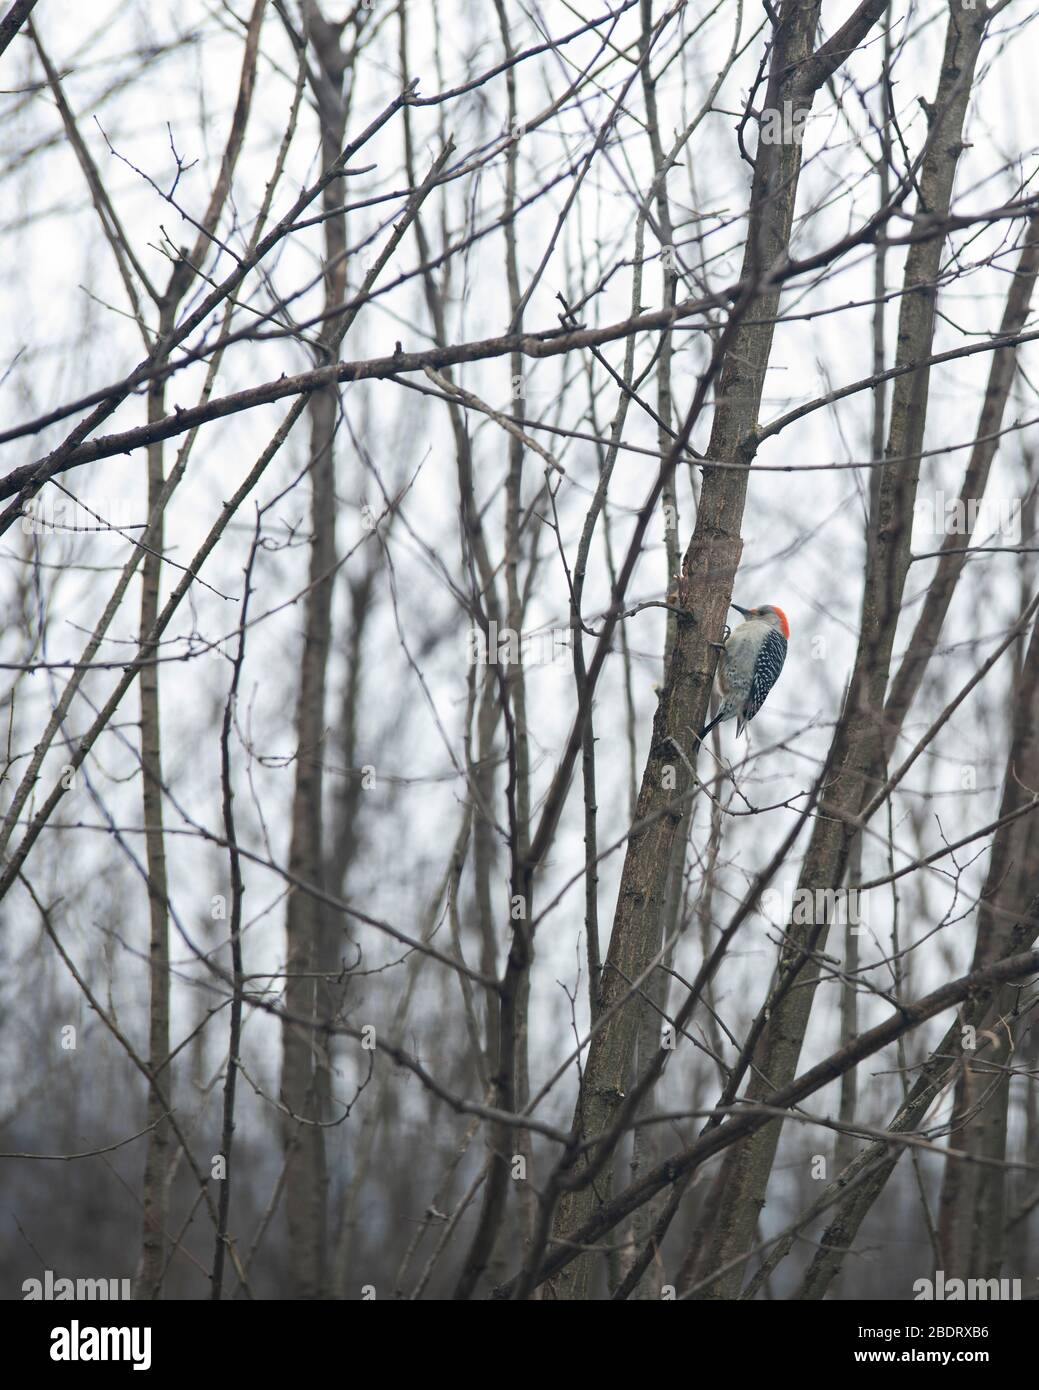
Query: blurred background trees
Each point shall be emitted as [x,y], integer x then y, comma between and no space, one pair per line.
[395,397]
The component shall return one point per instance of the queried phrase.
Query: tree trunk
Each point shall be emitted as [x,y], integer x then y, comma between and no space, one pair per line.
[310,934]
[858,753]
[708,571]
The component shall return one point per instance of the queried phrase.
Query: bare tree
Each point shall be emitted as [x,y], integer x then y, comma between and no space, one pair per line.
[398,396]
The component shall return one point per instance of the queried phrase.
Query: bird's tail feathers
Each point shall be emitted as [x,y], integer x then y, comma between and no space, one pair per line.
[710,725]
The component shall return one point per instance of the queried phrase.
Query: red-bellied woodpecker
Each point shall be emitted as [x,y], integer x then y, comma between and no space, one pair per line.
[750,663]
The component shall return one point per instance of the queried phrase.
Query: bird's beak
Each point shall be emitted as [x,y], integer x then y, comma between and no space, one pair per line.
[745,611]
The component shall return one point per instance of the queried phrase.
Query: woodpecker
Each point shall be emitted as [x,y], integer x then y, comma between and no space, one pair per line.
[751,661]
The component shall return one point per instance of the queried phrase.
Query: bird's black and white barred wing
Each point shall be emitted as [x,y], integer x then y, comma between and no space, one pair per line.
[766,673]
